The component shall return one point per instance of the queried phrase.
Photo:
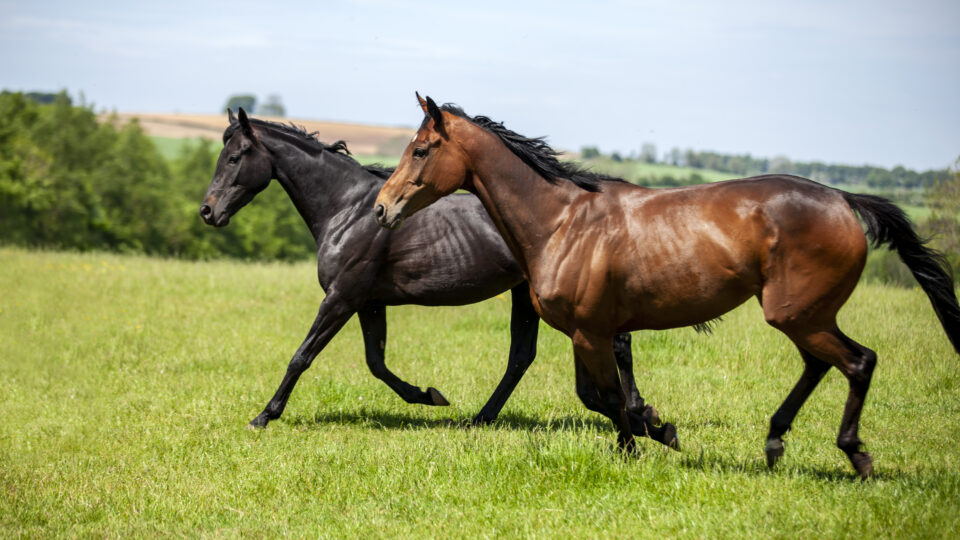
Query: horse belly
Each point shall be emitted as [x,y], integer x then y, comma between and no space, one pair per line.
[676,309]
[691,289]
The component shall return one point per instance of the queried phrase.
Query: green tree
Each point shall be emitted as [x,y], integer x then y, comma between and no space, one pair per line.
[272,107]
[247,101]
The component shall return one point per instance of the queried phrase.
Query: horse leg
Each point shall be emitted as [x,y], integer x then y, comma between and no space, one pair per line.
[333,314]
[856,362]
[524,325]
[598,383]
[780,422]
[642,416]
[373,322]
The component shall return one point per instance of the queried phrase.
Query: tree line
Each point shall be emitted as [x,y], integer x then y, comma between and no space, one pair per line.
[70,182]
[742,165]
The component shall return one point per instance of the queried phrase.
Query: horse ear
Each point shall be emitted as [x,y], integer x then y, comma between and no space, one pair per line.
[423,103]
[232,118]
[437,116]
[245,123]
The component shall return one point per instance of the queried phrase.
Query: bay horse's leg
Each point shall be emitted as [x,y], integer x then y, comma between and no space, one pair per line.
[333,314]
[644,424]
[780,422]
[594,362]
[373,323]
[856,362]
[524,325]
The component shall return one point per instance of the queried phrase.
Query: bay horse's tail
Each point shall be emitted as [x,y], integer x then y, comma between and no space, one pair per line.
[887,224]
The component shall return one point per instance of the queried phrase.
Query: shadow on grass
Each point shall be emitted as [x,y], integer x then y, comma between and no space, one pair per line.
[391,420]
[690,458]
[842,472]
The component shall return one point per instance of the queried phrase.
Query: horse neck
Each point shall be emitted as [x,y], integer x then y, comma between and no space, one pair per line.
[525,207]
[323,186]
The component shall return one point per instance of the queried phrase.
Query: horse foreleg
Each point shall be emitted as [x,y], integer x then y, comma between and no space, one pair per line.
[524,325]
[373,322]
[594,362]
[331,317]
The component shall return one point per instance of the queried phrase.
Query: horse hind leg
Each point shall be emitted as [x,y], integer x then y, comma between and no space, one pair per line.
[373,322]
[813,372]
[644,419]
[856,362]
[636,407]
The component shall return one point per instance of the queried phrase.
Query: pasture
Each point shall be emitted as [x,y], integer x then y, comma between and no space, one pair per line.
[128,382]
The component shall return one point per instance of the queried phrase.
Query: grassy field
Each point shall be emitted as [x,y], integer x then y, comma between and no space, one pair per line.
[128,382]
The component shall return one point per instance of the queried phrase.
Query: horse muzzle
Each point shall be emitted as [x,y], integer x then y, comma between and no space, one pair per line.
[387,218]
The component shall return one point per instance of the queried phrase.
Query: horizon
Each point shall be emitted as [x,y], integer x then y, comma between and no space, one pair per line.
[855,83]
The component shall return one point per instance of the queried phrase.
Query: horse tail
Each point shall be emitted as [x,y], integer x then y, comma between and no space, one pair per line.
[887,224]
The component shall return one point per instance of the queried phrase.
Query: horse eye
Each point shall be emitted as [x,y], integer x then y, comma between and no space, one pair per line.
[233,159]
[419,152]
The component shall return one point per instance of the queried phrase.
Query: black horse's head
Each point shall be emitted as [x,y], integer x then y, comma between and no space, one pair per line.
[243,170]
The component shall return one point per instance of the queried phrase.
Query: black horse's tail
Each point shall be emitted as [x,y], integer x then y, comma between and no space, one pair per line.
[887,224]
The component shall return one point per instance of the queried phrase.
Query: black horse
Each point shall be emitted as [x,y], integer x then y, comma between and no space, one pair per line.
[458,259]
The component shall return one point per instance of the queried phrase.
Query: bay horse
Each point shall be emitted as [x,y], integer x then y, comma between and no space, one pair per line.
[604,256]
[456,258]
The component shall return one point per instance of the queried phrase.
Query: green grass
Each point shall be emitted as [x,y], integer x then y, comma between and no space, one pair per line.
[172,147]
[127,383]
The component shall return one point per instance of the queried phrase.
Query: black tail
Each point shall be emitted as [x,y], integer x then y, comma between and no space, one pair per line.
[887,224]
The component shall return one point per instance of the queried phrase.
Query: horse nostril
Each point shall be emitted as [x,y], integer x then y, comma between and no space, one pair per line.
[205,211]
[379,211]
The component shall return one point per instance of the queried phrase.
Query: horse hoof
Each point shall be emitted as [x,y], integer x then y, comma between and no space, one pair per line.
[863,463]
[774,451]
[480,420]
[259,422]
[670,436]
[436,398]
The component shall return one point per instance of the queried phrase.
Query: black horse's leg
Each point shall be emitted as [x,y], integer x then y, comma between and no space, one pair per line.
[813,372]
[524,325]
[330,319]
[635,404]
[644,419]
[373,322]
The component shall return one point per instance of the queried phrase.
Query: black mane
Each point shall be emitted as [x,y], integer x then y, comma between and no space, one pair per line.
[308,141]
[537,154]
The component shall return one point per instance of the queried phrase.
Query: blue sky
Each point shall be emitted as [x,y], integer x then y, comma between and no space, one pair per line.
[840,81]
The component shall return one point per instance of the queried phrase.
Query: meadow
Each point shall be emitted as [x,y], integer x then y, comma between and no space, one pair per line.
[128,382]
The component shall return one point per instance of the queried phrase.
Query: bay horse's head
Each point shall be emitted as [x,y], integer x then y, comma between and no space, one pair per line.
[243,170]
[433,165]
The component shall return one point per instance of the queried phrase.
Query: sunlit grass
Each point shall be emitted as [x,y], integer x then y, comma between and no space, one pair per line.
[127,383]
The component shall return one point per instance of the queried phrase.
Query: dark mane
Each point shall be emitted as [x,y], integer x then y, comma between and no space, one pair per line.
[309,142]
[537,154]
